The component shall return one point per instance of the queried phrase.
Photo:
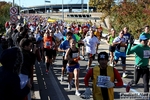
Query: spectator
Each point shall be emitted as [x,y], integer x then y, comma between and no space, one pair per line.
[10,88]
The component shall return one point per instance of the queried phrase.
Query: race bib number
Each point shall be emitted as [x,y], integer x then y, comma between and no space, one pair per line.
[47,43]
[122,49]
[75,55]
[146,53]
[101,81]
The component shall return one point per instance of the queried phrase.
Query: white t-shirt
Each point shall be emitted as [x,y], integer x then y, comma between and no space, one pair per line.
[59,35]
[91,44]
[118,39]
[123,40]
[36,36]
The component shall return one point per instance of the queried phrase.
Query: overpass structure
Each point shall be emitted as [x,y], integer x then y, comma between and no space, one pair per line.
[54,8]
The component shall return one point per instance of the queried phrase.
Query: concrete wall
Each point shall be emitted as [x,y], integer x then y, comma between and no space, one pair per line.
[95,18]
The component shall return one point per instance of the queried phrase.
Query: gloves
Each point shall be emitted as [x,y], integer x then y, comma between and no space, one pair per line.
[86,94]
[131,40]
[109,84]
[77,59]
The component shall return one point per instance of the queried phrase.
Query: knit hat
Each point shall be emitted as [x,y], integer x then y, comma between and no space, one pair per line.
[102,56]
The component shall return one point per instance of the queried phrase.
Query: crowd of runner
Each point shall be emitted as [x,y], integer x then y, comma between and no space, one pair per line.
[41,41]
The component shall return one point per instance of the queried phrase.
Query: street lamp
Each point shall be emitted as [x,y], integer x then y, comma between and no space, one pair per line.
[88,7]
[13,3]
[62,10]
[46,1]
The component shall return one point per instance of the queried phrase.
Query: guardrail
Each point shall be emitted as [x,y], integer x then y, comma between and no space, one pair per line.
[79,15]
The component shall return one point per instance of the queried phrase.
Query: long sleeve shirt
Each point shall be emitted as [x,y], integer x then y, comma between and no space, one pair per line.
[117,76]
[142,54]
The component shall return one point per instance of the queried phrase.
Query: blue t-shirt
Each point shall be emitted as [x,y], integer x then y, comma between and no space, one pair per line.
[64,45]
[127,36]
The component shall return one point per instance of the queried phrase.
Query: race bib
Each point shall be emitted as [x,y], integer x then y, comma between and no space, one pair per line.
[146,53]
[47,43]
[122,49]
[75,55]
[101,81]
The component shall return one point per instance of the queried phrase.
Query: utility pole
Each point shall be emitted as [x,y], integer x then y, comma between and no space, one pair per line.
[62,10]
[13,3]
[82,4]
[88,7]
[45,7]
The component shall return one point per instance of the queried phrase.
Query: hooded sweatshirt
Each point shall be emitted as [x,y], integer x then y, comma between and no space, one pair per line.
[10,89]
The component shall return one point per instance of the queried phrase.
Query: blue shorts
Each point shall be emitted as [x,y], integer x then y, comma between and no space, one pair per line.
[71,68]
[121,55]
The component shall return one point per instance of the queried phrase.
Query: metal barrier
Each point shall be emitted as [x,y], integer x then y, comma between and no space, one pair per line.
[79,15]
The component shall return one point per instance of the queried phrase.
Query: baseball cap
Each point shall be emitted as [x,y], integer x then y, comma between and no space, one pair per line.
[143,37]
[102,56]
[112,29]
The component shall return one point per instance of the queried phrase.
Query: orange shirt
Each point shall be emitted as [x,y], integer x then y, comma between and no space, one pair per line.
[97,33]
[100,29]
[48,42]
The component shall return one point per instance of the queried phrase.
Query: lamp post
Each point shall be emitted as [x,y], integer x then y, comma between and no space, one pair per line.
[13,3]
[45,7]
[62,10]
[82,5]
[46,1]
[88,7]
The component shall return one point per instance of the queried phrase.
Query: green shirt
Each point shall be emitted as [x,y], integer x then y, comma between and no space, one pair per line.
[142,54]
[111,39]
[77,39]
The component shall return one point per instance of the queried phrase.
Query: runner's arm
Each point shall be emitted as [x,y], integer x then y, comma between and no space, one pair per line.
[118,78]
[87,77]
[67,55]
[60,48]
[131,50]
[108,39]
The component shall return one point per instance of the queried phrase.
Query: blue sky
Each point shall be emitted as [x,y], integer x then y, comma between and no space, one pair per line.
[27,3]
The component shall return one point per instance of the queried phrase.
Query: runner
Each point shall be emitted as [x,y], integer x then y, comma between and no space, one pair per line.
[103,78]
[91,43]
[63,48]
[98,35]
[100,29]
[72,55]
[146,32]
[126,34]
[48,45]
[120,43]
[110,39]
[142,54]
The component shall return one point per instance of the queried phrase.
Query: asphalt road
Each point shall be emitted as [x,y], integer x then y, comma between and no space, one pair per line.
[49,87]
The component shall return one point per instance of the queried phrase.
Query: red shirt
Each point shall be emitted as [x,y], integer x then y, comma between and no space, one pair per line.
[116,76]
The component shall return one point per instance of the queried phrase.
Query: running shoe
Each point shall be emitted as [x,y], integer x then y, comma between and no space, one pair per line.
[77,93]
[62,78]
[128,86]
[47,71]
[72,83]
[124,75]
[69,86]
